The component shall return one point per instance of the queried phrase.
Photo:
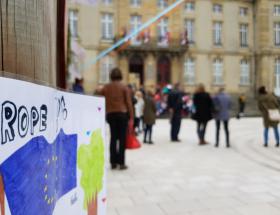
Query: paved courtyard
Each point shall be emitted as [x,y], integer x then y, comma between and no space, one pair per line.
[187,179]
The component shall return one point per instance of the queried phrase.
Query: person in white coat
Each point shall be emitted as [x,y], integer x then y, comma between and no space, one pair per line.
[139,111]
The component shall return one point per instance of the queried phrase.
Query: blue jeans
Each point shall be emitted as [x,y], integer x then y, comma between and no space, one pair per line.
[276,133]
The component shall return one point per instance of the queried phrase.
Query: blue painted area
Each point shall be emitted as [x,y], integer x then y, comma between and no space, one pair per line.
[39,174]
[88,133]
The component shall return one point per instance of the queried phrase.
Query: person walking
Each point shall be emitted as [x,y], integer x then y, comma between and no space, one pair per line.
[267,103]
[202,113]
[222,105]
[139,111]
[119,110]
[242,105]
[149,117]
[175,106]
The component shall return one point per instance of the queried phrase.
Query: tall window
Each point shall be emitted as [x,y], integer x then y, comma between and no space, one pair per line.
[189,6]
[189,26]
[243,35]
[217,33]
[135,23]
[73,23]
[243,11]
[217,8]
[106,66]
[135,3]
[107,26]
[276,10]
[107,2]
[189,71]
[277,74]
[162,3]
[217,71]
[244,72]
[162,28]
[277,34]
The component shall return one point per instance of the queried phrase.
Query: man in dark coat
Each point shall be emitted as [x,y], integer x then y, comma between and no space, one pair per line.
[203,111]
[175,106]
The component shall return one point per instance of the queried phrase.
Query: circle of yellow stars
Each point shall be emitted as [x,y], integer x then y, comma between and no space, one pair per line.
[49,199]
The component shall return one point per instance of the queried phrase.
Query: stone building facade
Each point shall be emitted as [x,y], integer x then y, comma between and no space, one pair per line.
[231,43]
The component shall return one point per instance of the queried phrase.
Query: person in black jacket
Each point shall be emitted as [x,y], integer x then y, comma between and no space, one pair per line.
[203,111]
[175,106]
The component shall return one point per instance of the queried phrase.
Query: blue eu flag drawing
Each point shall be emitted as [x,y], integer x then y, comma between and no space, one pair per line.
[39,173]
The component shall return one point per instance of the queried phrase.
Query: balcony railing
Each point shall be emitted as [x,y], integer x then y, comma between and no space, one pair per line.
[176,46]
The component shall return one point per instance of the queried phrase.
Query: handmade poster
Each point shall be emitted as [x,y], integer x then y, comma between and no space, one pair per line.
[52,151]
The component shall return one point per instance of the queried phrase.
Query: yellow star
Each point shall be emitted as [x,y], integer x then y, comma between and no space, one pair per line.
[46,176]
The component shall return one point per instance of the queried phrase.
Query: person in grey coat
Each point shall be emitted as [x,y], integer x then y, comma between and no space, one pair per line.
[222,106]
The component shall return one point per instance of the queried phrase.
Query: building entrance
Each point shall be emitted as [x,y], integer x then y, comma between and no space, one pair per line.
[163,71]
[136,69]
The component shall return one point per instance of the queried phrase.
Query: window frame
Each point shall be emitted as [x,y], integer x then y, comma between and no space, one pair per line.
[190,23]
[74,23]
[218,71]
[276,30]
[244,35]
[162,4]
[244,72]
[106,65]
[106,21]
[135,3]
[218,33]
[243,11]
[135,25]
[276,10]
[190,6]
[189,71]
[217,8]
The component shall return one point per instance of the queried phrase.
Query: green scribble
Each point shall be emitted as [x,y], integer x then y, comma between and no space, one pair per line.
[91,162]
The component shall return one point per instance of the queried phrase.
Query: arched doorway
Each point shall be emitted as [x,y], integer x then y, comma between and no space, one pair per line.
[163,70]
[136,68]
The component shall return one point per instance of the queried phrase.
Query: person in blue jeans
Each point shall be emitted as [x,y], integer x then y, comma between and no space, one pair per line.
[222,105]
[268,102]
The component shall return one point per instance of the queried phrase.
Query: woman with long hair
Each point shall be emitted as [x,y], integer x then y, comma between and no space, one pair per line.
[203,110]
[268,102]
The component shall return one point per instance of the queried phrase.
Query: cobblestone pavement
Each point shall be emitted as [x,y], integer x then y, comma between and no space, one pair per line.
[186,179]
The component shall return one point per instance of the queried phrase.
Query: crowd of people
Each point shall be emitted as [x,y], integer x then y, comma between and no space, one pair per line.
[126,105]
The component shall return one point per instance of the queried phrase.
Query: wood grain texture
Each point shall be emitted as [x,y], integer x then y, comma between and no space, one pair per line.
[29,38]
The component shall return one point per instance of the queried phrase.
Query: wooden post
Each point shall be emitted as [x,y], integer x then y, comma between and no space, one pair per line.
[61,55]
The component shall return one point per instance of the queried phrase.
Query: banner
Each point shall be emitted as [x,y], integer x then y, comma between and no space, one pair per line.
[52,151]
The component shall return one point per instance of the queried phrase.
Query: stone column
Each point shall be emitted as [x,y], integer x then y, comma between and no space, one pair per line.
[150,72]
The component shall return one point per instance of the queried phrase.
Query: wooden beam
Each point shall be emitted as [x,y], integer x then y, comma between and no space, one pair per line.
[61,55]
